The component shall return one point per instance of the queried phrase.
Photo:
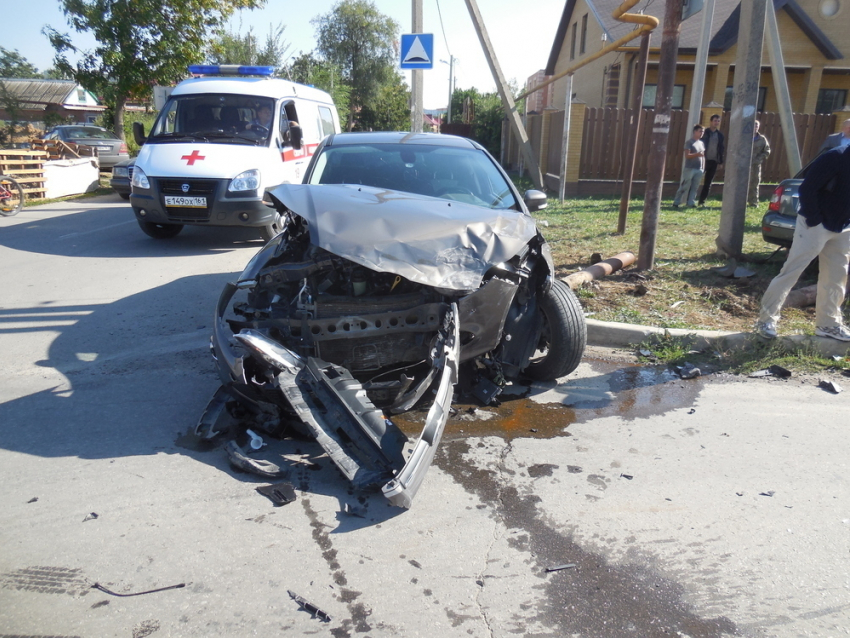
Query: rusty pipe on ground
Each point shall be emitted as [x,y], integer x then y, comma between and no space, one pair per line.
[648,23]
[600,269]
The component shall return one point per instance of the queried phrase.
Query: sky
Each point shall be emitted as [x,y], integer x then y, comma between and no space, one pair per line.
[522,38]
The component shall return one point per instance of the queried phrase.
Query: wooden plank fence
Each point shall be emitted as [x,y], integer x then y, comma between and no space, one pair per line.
[27,168]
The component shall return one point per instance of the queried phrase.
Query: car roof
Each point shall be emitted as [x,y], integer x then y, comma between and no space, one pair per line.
[400,137]
[255,87]
[81,126]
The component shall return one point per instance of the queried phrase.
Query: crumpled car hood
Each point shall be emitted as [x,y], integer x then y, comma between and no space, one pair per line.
[432,241]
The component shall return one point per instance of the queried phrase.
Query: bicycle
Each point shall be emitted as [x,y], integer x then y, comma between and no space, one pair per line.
[11,196]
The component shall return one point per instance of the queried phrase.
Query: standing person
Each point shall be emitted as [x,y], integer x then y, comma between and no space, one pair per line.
[823,231]
[694,168]
[842,138]
[761,151]
[715,149]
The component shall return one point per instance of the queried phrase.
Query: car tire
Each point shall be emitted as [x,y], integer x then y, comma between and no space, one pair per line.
[564,335]
[160,231]
[270,231]
[124,196]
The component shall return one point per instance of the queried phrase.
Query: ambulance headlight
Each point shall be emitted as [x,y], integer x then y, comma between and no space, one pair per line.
[140,180]
[247,181]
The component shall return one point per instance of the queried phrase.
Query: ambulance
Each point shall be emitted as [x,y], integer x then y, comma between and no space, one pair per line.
[219,143]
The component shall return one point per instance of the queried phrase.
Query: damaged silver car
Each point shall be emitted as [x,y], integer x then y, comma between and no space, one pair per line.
[408,267]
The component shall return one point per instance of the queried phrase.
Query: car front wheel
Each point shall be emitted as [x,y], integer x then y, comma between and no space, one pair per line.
[564,335]
[160,231]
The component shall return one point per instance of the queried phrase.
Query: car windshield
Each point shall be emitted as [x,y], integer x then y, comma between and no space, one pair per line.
[88,133]
[218,118]
[461,174]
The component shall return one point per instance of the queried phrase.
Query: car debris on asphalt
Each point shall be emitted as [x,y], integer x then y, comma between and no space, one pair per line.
[772,371]
[829,386]
[279,493]
[688,371]
[556,568]
[307,606]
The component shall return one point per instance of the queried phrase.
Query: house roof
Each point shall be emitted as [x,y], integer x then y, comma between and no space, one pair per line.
[40,92]
[724,31]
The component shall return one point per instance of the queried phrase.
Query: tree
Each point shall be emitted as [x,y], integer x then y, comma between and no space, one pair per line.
[487,115]
[307,69]
[140,43]
[360,41]
[389,110]
[231,47]
[14,65]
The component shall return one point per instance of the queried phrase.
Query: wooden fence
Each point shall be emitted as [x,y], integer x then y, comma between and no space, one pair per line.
[603,143]
[27,168]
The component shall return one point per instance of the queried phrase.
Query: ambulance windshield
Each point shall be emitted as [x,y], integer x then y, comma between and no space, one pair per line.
[238,119]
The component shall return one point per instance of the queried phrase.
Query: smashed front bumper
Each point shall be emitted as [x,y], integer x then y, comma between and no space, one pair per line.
[333,406]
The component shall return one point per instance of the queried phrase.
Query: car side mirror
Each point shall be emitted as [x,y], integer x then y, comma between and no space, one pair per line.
[535,200]
[139,133]
[296,135]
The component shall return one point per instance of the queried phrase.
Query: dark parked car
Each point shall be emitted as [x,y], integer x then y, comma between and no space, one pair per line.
[778,223]
[110,148]
[122,176]
[407,262]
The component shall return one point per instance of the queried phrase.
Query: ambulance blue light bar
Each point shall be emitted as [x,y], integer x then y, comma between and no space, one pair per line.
[230,69]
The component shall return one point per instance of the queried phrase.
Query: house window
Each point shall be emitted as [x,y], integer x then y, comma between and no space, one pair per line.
[573,42]
[649,91]
[81,95]
[830,100]
[727,101]
[583,35]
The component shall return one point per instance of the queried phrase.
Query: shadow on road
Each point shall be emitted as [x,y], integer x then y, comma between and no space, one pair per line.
[68,233]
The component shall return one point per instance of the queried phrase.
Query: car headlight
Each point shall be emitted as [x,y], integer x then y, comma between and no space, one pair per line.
[246,181]
[120,171]
[140,180]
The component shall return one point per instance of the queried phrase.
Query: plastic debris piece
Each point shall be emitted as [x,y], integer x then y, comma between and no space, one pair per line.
[90,517]
[689,371]
[240,461]
[34,499]
[645,353]
[555,568]
[733,270]
[138,593]
[355,510]
[533,430]
[307,606]
[676,304]
[770,493]
[256,441]
[830,386]
[692,410]
[627,476]
[279,493]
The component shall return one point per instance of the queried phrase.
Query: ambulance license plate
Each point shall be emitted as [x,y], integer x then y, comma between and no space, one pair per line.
[186,202]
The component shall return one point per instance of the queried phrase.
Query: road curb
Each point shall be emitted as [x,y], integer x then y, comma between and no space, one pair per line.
[622,335]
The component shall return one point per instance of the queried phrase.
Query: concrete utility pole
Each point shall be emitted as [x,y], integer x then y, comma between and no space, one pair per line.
[451,90]
[660,133]
[701,61]
[565,140]
[418,88]
[739,153]
[637,116]
[507,99]
[783,96]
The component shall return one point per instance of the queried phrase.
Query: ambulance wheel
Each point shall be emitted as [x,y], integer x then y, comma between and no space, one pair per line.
[272,230]
[160,231]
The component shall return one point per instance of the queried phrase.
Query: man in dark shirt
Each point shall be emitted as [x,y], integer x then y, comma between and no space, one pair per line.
[823,231]
[714,152]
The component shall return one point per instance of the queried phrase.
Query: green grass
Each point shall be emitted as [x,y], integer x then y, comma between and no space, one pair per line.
[681,290]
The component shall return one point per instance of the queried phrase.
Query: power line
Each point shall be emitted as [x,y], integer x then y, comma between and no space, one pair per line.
[440,13]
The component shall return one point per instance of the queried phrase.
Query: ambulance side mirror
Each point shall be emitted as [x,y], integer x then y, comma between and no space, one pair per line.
[139,133]
[296,135]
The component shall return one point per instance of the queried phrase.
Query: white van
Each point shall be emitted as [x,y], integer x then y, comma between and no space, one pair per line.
[220,143]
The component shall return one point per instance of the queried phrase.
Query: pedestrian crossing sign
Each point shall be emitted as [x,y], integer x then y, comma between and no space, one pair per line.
[417,51]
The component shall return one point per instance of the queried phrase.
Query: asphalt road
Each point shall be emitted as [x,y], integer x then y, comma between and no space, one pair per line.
[703,508]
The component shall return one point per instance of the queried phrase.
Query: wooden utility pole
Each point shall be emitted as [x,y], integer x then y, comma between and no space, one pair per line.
[660,133]
[418,89]
[634,132]
[507,99]
[739,151]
